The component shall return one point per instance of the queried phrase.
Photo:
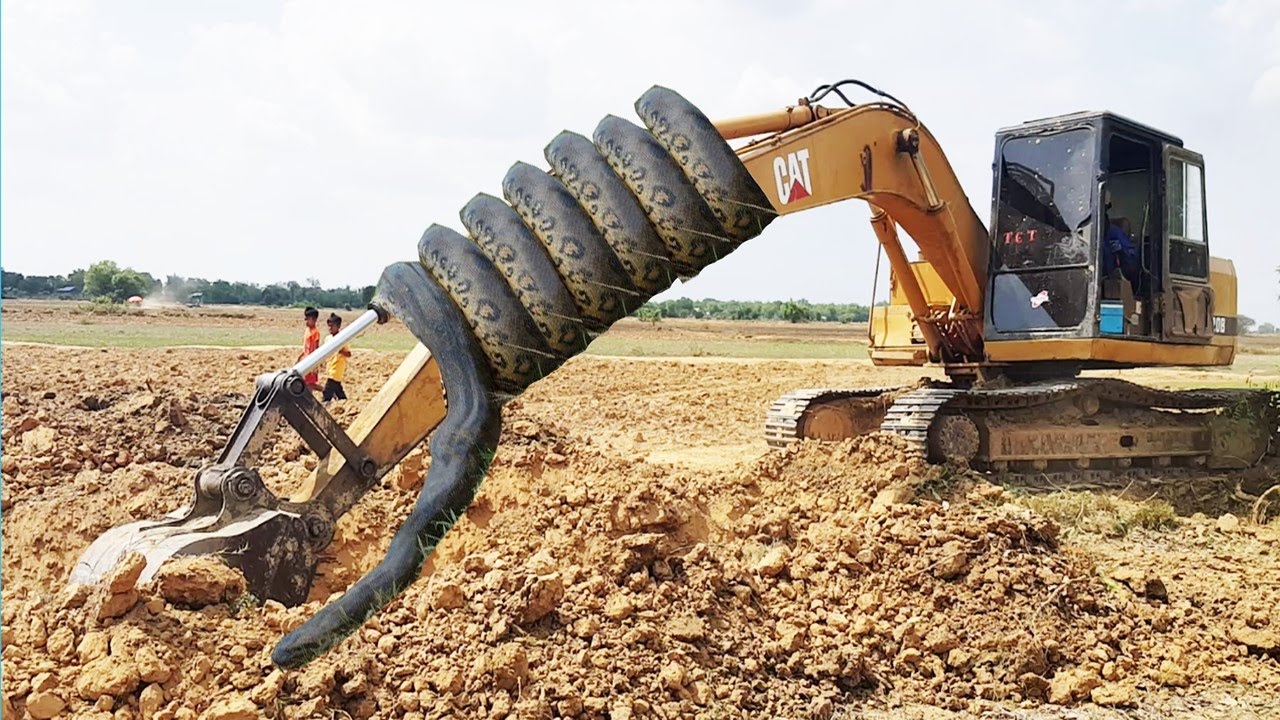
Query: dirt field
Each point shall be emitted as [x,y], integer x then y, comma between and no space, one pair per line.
[88,325]
[636,551]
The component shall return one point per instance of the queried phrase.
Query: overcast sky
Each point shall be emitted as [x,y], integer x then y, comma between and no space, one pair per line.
[267,141]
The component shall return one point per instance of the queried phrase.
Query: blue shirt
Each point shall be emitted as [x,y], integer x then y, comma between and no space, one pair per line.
[1119,248]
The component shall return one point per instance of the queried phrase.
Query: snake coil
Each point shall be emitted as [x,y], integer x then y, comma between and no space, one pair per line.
[616,221]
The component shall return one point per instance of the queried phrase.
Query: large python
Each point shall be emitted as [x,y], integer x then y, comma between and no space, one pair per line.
[617,220]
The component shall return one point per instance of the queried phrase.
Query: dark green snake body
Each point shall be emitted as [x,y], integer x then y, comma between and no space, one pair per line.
[617,220]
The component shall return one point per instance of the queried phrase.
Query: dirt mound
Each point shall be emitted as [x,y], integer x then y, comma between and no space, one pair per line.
[50,436]
[596,587]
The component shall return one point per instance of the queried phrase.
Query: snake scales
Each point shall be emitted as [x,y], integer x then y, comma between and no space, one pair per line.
[617,220]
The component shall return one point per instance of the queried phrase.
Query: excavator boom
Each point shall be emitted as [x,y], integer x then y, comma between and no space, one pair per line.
[880,153]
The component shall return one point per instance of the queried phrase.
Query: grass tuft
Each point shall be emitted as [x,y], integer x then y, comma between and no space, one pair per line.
[1100,514]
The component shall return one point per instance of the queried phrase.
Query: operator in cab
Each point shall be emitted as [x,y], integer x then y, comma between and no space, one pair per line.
[1118,250]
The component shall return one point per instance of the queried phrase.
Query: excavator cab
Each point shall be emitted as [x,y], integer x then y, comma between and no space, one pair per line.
[1099,248]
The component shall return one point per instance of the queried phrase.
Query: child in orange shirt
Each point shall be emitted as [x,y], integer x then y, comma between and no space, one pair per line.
[311,343]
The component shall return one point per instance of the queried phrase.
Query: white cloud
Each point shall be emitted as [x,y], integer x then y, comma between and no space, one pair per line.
[1266,89]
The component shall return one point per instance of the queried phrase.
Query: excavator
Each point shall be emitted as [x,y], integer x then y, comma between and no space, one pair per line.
[1014,316]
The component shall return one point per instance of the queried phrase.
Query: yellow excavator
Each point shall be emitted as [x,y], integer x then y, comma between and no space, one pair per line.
[1014,314]
[1097,258]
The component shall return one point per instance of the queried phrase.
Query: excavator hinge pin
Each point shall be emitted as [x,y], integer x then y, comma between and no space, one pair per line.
[317,527]
[243,486]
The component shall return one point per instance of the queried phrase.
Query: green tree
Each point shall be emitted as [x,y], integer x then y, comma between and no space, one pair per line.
[795,312]
[106,279]
[1245,323]
[1266,328]
[9,282]
[650,314]
[277,295]
[129,282]
[97,279]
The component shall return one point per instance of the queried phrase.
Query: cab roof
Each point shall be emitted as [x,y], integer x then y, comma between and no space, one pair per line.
[1062,121]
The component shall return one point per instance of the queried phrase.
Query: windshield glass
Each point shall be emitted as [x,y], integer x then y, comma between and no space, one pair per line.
[1045,209]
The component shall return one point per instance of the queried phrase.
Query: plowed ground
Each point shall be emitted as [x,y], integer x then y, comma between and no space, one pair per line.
[635,552]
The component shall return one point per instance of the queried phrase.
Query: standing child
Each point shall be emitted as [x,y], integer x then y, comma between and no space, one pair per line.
[337,369]
[311,343]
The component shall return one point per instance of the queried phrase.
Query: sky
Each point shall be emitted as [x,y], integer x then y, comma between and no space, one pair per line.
[269,141]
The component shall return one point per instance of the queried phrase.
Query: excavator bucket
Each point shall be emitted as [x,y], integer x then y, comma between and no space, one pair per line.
[242,523]
[275,542]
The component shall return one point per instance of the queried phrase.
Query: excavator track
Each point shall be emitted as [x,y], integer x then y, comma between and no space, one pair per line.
[1052,432]
[783,425]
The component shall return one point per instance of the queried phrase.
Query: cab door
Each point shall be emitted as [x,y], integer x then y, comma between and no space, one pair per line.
[1187,298]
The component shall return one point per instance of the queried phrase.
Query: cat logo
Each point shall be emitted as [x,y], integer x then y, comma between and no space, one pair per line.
[791,174]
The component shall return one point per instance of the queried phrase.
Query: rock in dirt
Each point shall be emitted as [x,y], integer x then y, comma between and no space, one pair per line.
[111,606]
[507,664]
[1258,639]
[687,629]
[61,643]
[619,607]
[955,560]
[199,581]
[774,561]
[889,497]
[1172,675]
[40,441]
[1070,685]
[269,689]
[1113,695]
[151,667]
[447,682]
[541,598]
[1033,685]
[126,573]
[92,646]
[232,708]
[150,701]
[448,596]
[43,704]
[672,676]
[107,676]
[138,403]
[1141,582]
[1228,523]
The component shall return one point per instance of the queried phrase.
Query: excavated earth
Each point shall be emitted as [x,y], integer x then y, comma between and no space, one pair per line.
[634,553]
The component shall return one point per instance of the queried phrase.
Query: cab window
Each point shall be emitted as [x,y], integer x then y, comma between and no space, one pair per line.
[1188,251]
[1045,201]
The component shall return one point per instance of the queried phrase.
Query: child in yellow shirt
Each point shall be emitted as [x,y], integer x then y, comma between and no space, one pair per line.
[337,366]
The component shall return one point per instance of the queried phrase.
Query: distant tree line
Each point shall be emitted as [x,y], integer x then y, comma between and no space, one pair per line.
[1248,325]
[107,281]
[788,310]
